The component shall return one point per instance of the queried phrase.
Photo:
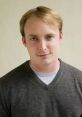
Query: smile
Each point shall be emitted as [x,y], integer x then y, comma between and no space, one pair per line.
[44,55]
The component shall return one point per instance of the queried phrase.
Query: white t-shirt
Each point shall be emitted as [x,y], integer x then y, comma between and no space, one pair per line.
[47,78]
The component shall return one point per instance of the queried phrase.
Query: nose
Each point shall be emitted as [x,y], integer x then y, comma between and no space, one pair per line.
[42,45]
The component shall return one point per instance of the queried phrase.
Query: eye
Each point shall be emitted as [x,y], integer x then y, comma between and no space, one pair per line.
[50,37]
[33,38]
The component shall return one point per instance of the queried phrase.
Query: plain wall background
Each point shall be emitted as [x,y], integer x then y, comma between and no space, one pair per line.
[12,52]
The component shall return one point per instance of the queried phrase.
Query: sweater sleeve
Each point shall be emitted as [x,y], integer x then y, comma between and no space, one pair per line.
[3,104]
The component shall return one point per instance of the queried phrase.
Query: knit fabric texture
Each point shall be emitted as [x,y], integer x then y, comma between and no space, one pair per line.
[23,94]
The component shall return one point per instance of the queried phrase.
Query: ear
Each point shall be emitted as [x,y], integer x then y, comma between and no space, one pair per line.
[24,41]
[61,35]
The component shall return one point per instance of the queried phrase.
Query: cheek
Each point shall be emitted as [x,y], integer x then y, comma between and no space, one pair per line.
[54,46]
[31,49]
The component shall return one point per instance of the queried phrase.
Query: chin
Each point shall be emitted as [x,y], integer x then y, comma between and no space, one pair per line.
[47,62]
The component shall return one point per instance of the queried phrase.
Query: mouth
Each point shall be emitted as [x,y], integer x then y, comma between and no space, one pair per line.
[44,55]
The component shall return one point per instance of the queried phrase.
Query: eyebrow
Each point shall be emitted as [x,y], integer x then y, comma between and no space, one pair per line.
[32,35]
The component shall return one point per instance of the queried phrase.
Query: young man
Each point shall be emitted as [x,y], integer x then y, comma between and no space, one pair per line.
[43,86]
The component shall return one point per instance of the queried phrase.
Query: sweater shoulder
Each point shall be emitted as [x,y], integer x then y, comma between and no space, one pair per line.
[72,71]
[17,72]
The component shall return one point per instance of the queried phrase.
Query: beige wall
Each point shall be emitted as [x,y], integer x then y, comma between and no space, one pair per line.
[12,52]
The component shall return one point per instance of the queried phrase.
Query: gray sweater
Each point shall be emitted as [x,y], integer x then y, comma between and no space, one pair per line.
[23,94]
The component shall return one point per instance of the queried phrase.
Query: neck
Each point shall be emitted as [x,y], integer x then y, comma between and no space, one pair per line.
[46,68]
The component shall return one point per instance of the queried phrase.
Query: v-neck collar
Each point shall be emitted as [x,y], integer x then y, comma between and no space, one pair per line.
[35,78]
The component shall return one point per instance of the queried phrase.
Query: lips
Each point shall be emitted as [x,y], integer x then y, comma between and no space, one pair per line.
[43,55]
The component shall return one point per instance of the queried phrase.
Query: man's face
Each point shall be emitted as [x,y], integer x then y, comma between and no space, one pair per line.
[42,41]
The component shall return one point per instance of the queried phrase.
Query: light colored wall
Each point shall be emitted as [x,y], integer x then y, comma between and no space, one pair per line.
[12,52]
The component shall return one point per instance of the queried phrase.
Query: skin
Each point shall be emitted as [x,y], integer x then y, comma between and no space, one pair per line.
[42,41]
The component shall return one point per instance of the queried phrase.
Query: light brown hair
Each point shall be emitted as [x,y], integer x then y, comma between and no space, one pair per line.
[45,14]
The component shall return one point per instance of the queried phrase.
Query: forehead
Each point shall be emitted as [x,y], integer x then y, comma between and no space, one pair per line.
[36,24]
[46,19]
